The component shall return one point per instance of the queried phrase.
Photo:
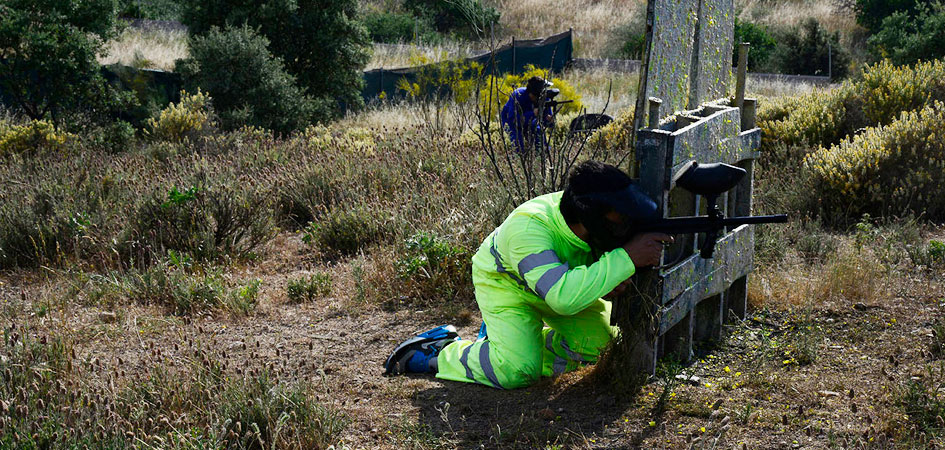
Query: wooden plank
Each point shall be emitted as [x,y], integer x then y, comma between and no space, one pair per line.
[708,140]
[697,278]
[671,314]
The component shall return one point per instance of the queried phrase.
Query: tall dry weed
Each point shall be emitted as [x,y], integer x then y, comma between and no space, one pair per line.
[147,49]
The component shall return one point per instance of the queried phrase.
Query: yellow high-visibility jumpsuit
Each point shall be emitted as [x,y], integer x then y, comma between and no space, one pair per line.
[539,290]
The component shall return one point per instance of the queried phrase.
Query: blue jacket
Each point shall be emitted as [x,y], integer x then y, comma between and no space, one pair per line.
[518,116]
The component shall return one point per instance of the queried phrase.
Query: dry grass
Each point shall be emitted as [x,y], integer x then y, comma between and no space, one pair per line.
[594,23]
[600,87]
[792,13]
[766,88]
[152,49]
[392,56]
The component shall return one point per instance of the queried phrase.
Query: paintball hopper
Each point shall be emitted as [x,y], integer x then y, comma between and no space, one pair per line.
[550,93]
[708,180]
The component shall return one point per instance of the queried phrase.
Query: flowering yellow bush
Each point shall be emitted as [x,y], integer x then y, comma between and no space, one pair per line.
[891,169]
[616,135]
[495,91]
[455,78]
[877,97]
[36,135]
[191,117]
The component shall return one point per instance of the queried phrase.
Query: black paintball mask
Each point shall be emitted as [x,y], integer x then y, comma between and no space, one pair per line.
[630,203]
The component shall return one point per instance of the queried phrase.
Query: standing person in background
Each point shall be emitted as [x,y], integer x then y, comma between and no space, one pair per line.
[520,115]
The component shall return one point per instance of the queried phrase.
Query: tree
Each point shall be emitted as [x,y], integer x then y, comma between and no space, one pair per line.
[872,13]
[762,44]
[248,85]
[319,41]
[48,54]
[905,38]
[810,50]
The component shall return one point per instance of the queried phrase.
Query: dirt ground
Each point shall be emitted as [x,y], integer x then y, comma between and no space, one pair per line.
[828,376]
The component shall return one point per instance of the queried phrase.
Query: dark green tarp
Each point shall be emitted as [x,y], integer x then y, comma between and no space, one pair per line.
[552,53]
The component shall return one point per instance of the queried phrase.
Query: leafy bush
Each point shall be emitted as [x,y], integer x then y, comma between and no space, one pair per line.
[394,27]
[468,16]
[343,232]
[307,289]
[762,43]
[49,66]
[149,9]
[37,135]
[319,42]
[892,169]
[810,50]
[906,38]
[877,97]
[188,119]
[631,38]
[495,91]
[872,13]
[207,221]
[247,84]
[433,268]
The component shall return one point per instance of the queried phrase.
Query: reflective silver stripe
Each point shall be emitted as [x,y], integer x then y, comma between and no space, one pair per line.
[549,341]
[500,268]
[560,365]
[486,365]
[464,360]
[549,278]
[537,260]
[571,354]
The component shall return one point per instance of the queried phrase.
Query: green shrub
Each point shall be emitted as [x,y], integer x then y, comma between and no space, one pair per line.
[344,232]
[307,289]
[320,42]
[49,66]
[188,119]
[242,300]
[434,269]
[810,50]
[762,43]
[631,38]
[394,27]
[894,169]
[906,38]
[149,9]
[207,221]
[469,17]
[872,13]
[247,84]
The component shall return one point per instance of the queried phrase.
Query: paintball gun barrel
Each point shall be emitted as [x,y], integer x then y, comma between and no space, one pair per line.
[548,98]
[709,181]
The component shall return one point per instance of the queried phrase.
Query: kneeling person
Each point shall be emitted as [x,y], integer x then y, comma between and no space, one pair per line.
[539,278]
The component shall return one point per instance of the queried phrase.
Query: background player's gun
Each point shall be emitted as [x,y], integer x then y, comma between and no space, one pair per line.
[709,181]
[547,99]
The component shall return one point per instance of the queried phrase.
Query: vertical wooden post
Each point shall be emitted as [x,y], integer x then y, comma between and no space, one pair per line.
[742,74]
[748,113]
[654,112]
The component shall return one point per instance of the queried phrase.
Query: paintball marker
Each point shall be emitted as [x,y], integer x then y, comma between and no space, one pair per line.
[709,181]
[547,99]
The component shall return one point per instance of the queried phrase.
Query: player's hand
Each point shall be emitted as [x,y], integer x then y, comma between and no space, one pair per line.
[645,249]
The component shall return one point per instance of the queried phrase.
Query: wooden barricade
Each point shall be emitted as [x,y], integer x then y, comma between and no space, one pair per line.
[690,297]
